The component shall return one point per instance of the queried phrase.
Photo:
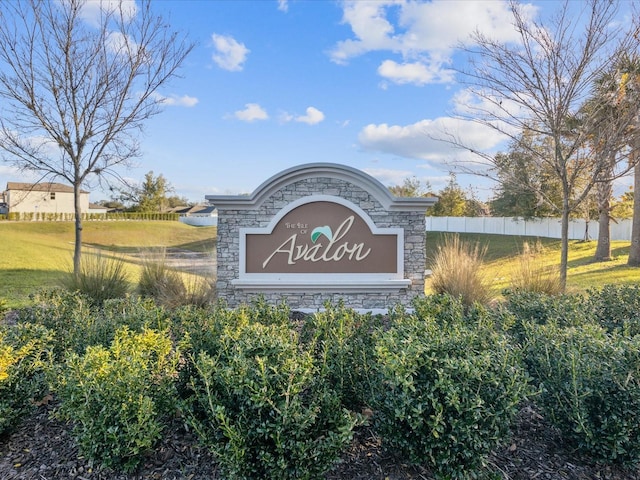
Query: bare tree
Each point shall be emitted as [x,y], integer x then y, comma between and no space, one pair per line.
[76,92]
[540,84]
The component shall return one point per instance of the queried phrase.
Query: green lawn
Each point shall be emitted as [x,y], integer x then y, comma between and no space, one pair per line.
[37,254]
[583,273]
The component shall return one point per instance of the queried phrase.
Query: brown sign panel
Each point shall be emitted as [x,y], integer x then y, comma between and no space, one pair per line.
[321,237]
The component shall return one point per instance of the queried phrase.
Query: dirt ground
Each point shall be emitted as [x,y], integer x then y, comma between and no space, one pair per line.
[42,448]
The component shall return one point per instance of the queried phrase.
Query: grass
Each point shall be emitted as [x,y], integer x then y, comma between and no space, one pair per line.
[501,260]
[39,254]
[457,270]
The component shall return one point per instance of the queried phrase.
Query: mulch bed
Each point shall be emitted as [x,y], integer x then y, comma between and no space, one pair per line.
[42,448]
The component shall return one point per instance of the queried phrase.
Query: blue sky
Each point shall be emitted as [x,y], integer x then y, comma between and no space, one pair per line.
[272,84]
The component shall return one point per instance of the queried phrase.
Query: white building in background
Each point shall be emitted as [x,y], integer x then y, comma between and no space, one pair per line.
[42,198]
[197,215]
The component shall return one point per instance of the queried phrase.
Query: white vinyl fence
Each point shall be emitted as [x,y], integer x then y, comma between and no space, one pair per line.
[539,227]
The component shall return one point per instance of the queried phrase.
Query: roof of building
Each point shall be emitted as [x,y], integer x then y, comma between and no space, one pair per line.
[95,206]
[41,187]
[194,209]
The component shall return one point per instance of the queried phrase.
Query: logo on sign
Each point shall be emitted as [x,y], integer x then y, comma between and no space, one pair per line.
[333,250]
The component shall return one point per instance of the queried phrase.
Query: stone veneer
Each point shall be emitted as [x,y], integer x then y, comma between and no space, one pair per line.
[355,186]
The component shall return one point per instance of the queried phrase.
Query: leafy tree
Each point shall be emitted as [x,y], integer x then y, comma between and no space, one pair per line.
[545,78]
[629,95]
[411,187]
[453,202]
[527,187]
[176,201]
[623,207]
[614,100]
[152,194]
[76,93]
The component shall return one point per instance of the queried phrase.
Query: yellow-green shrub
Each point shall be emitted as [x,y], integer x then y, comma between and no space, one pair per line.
[119,399]
[25,352]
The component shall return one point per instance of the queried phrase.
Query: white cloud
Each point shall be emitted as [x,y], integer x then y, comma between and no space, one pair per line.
[371,28]
[416,73]
[251,113]
[312,116]
[420,140]
[389,177]
[121,44]
[421,34]
[283,5]
[176,101]
[229,53]
[93,9]
[10,172]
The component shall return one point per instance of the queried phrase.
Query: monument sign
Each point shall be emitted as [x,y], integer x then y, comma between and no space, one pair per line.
[321,232]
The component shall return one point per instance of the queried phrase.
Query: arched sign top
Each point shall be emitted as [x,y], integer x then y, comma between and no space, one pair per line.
[315,170]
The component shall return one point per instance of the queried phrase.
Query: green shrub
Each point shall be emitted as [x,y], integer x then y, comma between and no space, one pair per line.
[119,399]
[457,271]
[448,394]
[542,309]
[77,322]
[443,309]
[100,277]
[258,405]
[63,312]
[24,357]
[132,312]
[342,343]
[616,308]
[589,388]
[202,327]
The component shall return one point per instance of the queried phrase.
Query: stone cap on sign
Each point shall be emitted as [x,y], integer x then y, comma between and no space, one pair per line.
[313,170]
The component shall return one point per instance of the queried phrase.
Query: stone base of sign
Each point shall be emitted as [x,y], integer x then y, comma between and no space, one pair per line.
[266,210]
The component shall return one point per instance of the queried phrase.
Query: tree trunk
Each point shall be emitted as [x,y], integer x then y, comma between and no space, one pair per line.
[603,248]
[77,251]
[564,242]
[634,250]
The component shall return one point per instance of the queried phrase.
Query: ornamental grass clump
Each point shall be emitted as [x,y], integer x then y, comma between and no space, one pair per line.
[171,288]
[589,385]
[101,277]
[448,392]
[260,406]
[530,274]
[457,271]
